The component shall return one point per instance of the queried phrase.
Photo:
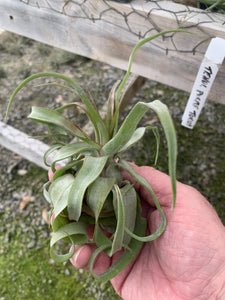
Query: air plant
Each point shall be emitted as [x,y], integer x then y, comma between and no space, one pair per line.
[89,188]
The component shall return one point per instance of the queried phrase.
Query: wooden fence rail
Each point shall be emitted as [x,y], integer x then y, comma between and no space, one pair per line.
[107,31]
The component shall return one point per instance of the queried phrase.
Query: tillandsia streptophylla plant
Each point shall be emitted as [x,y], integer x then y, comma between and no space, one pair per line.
[89,189]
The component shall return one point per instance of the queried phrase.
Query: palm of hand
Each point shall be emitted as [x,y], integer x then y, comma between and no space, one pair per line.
[185,262]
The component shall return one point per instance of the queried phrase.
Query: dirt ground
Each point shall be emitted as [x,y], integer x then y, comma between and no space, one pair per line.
[201,161]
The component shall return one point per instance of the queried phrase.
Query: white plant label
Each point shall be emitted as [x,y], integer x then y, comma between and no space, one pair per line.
[213,59]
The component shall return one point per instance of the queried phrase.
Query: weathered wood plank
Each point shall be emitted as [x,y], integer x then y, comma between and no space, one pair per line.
[22,144]
[107,31]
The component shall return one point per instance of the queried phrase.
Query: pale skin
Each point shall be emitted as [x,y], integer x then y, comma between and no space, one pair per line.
[186,263]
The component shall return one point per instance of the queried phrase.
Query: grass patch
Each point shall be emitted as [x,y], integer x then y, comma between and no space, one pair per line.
[30,274]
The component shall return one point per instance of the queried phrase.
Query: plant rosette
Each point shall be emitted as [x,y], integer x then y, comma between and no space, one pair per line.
[89,189]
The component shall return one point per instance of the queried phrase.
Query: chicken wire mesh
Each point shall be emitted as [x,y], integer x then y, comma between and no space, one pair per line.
[185,14]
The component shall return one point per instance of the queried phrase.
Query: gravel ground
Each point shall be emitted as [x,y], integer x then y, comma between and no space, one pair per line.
[201,151]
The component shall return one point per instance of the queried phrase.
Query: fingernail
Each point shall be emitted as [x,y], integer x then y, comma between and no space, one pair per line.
[74,258]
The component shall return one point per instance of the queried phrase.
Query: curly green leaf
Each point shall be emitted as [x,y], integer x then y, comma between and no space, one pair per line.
[76,232]
[91,169]
[128,255]
[128,128]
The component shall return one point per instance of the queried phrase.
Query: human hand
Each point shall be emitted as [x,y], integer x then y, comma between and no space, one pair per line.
[186,262]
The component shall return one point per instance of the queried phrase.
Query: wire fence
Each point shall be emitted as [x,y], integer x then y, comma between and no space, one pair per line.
[180,14]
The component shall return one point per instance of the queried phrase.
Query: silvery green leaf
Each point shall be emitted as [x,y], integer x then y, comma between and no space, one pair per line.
[69,229]
[76,232]
[70,166]
[129,198]
[118,236]
[112,104]
[97,194]
[46,193]
[101,239]
[136,136]
[47,116]
[50,151]
[125,166]
[128,128]
[72,149]
[60,221]
[128,255]
[59,192]
[91,169]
